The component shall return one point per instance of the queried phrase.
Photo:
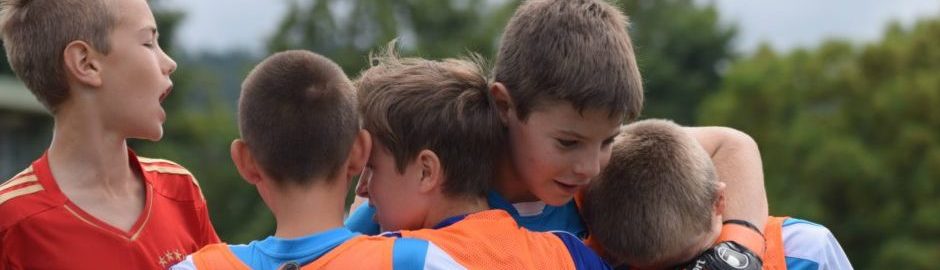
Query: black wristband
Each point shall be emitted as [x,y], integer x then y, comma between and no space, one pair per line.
[745,224]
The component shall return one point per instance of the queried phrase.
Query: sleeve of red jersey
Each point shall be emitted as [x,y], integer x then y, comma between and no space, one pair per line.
[209,234]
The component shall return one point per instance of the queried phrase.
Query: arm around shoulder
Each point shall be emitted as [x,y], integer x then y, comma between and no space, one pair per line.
[738,164]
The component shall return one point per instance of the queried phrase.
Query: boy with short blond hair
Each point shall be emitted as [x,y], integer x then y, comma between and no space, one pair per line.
[676,211]
[301,145]
[437,139]
[97,67]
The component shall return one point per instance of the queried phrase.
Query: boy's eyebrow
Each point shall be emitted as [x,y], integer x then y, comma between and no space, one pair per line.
[572,134]
[582,137]
[151,29]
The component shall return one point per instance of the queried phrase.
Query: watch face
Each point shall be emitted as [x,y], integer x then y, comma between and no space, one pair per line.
[733,258]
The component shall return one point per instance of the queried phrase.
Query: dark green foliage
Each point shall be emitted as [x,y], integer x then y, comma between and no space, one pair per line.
[849,138]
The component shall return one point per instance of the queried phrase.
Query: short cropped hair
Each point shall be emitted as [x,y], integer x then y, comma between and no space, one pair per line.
[297,114]
[411,104]
[655,197]
[576,51]
[36,32]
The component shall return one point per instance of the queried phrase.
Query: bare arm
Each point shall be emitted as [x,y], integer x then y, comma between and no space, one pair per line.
[738,164]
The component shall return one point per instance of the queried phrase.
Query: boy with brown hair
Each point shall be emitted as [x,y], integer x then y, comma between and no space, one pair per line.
[675,212]
[565,79]
[437,139]
[89,202]
[301,145]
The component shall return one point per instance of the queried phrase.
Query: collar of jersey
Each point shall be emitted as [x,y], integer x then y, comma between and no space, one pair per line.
[301,250]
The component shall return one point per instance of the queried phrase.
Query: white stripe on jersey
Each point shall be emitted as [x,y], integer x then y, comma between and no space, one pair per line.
[186,264]
[437,259]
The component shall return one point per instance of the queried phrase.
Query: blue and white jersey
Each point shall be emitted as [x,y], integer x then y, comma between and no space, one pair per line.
[810,246]
[535,216]
[539,217]
[273,252]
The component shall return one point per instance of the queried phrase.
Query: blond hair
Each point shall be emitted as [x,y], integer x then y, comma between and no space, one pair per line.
[411,104]
[35,33]
[655,197]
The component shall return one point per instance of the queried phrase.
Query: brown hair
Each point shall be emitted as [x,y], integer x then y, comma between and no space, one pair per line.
[570,50]
[297,114]
[655,197]
[35,34]
[411,104]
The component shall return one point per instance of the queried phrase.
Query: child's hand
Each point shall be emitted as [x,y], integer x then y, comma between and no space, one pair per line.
[725,255]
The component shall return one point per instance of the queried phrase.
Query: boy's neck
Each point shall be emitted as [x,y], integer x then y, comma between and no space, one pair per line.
[303,211]
[83,154]
[446,208]
[510,186]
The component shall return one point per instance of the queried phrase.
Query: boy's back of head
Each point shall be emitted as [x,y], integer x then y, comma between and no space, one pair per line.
[412,104]
[297,114]
[35,34]
[576,51]
[656,199]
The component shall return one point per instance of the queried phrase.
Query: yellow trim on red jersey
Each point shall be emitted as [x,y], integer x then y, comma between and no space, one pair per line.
[169,170]
[18,181]
[85,220]
[20,192]
[146,219]
[156,160]
[28,170]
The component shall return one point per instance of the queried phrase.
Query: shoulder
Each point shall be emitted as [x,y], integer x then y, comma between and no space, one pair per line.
[21,197]
[171,179]
[808,243]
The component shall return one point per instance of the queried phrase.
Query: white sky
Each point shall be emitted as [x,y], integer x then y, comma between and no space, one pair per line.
[245,24]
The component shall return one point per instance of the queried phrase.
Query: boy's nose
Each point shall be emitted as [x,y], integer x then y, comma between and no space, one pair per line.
[587,167]
[168,65]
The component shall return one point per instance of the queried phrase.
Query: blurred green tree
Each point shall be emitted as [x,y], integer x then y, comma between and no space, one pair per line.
[347,31]
[850,138]
[680,47]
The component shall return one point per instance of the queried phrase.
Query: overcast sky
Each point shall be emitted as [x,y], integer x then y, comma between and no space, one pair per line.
[231,24]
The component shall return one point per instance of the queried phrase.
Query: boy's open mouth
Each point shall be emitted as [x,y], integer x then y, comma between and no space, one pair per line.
[166,93]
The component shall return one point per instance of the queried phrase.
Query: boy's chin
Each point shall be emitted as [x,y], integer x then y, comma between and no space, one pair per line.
[150,135]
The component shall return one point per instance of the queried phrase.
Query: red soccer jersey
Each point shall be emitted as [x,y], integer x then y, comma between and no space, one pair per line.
[40,228]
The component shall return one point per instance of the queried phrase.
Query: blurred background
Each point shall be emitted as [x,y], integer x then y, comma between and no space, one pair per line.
[842,96]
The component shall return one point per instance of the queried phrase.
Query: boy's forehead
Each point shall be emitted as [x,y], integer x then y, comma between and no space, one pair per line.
[131,13]
[562,111]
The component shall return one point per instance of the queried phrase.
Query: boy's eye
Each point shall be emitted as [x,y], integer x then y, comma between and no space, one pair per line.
[607,142]
[148,45]
[566,143]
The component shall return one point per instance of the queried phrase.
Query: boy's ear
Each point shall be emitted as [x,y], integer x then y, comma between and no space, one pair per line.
[245,162]
[432,173]
[502,99]
[82,63]
[720,203]
[359,154]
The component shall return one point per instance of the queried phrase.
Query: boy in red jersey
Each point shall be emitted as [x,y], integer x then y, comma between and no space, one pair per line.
[89,202]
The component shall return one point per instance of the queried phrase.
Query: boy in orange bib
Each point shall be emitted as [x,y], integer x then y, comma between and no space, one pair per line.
[437,138]
[301,145]
[673,212]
